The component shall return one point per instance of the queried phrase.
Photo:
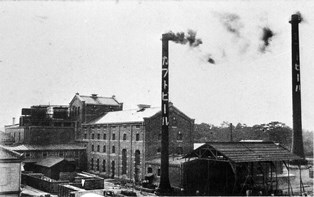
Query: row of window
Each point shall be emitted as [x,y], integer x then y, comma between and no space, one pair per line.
[113,137]
[112,127]
[46,154]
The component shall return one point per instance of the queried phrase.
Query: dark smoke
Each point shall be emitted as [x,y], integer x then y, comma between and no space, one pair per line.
[266,38]
[232,23]
[183,38]
[300,16]
[208,58]
[211,60]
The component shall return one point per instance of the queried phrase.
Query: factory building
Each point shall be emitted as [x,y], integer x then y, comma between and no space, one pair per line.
[83,109]
[46,131]
[120,142]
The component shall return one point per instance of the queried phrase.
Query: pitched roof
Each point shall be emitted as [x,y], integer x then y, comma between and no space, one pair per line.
[7,154]
[240,152]
[97,100]
[126,116]
[28,147]
[49,162]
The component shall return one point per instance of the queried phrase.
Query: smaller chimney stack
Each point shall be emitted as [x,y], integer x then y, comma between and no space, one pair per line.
[94,95]
[13,120]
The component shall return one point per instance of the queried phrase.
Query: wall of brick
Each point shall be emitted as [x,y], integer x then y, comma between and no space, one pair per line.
[133,141]
[178,123]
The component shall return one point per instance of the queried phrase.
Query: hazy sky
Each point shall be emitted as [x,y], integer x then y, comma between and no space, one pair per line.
[49,50]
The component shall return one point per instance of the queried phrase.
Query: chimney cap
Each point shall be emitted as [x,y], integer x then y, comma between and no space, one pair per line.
[295,18]
[94,95]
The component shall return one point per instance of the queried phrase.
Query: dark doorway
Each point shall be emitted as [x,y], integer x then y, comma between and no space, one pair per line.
[137,166]
[112,169]
[124,160]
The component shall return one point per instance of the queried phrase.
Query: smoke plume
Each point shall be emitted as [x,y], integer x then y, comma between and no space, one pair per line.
[182,38]
[266,38]
[231,22]
[300,16]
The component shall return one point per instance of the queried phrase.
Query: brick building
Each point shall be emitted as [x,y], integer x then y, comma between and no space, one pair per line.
[119,143]
[86,108]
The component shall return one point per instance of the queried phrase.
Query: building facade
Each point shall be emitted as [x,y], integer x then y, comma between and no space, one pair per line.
[119,143]
[86,108]
[10,172]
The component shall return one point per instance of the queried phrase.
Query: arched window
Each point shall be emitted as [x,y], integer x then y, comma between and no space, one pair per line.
[180,136]
[113,149]
[137,137]
[124,136]
[92,147]
[97,164]
[104,148]
[98,148]
[149,170]
[113,136]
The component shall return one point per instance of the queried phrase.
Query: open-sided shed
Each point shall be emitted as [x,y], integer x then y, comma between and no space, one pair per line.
[232,168]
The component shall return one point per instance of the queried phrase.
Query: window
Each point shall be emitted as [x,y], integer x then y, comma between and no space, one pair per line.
[179,150]
[92,164]
[92,136]
[97,164]
[104,165]
[137,126]
[158,172]
[137,137]
[149,170]
[174,122]
[45,154]
[92,147]
[158,150]
[27,154]
[180,136]
[85,135]
[98,148]
[61,154]
[113,136]
[98,136]
[124,136]
[113,149]
[105,136]
[104,148]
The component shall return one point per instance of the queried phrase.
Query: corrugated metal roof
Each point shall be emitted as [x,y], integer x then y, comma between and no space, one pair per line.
[96,100]
[28,147]
[49,162]
[126,116]
[246,151]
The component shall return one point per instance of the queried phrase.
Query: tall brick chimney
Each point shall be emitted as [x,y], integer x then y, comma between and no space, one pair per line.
[297,141]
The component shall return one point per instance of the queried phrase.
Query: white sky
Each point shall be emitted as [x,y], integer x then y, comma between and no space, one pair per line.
[49,50]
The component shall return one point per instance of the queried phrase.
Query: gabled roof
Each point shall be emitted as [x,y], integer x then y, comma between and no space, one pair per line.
[97,100]
[241,152]
[28,147]
[126,116]
[7,154]
[49,162]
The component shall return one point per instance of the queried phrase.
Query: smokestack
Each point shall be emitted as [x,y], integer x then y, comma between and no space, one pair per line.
[164,185]
[13,120]
[297,141]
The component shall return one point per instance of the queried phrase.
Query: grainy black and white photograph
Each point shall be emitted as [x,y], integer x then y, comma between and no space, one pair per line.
[156,98]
